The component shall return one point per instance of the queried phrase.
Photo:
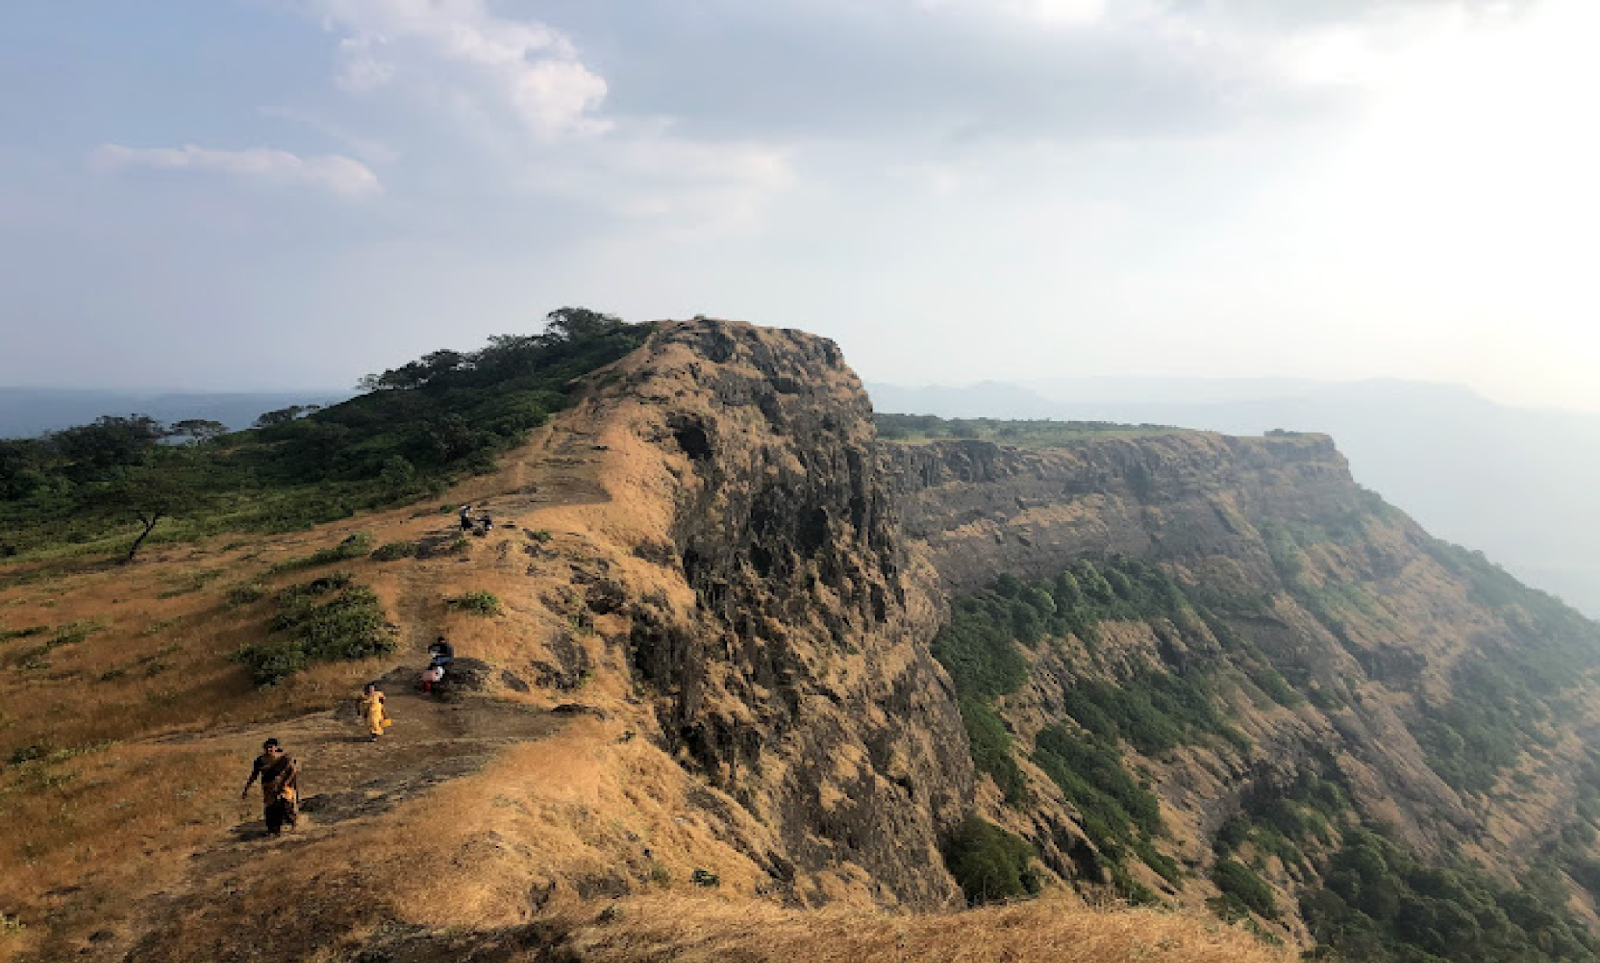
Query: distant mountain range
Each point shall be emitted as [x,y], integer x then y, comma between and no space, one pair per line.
[26,412]
[1522,485]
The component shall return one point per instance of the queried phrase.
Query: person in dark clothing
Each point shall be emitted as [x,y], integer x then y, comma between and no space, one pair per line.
[466,518]
[440,655]
[280,786]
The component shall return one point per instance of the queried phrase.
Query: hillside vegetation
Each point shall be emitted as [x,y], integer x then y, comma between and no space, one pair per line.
[1022,433]
[415,430]
[1113,682]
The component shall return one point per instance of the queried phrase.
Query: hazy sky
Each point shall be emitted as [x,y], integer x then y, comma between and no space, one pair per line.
[250,193]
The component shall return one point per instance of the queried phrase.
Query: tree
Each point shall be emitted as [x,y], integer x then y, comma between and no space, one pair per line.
[572,324]
[148,494]
[415,374]
[197,429]
[20,464]
[108,442]
[283,416]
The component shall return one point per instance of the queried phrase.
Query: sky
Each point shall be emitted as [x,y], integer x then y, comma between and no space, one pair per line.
[256,194]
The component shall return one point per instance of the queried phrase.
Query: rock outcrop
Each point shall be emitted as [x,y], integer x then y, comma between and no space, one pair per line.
[800,680]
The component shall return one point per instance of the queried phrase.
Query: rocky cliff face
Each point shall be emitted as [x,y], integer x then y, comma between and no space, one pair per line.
[981,510]
[1383,634]
[820,563]
[799,681]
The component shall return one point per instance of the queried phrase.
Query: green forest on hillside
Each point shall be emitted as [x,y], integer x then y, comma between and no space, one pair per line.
[1039,433]
[104,486]
[1366,897]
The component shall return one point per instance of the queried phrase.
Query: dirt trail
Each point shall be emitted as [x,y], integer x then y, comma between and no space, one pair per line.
[343,776]
[346,781]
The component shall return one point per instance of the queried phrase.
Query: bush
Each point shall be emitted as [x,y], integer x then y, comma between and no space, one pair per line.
[478,603]
[393,551]
[1240,883]
[241,595]
[991,749]
[6,635]
[1118,813]
[350,624]
[355,546]
[989,863]
[976,647]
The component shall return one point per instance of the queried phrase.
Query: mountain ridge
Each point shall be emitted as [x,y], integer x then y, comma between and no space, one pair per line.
[798,664]
[1516,483]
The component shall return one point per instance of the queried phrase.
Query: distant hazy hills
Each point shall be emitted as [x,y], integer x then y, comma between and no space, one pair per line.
[26,412]
[1522,485]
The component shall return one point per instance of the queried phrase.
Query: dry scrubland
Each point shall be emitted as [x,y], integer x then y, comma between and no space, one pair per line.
[1046,930]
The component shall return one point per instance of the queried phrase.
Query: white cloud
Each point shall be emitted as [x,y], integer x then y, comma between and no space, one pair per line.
[335,173]
[521,106]
[462,47]
[1049,12]
[365,148]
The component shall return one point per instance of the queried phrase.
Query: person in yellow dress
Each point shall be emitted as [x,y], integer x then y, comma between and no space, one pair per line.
[373,712]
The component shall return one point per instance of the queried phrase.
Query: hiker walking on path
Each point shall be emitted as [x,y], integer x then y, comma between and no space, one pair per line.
[466,518]
[280,786]
[374,712]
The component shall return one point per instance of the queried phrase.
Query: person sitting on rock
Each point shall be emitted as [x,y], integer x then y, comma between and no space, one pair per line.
[440,655]
[374,712]
[487,522]
[280,786]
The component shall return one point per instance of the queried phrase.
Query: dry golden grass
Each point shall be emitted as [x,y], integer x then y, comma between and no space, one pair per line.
[712,930]
[87,833]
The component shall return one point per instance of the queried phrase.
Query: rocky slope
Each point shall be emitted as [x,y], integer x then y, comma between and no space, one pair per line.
[1450,705]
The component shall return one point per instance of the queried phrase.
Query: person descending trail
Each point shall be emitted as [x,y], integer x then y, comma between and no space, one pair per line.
[374,712]
[280,786]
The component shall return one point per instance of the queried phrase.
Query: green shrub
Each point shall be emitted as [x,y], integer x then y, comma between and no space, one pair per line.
[74,632]
[27,754]
[322,620]
[1380,903]
[241,595]
[991,749]
[6,635]
[1270,682]
[1240,883]
[976,647]
[354,546]
[478,603]
[540,535]
[989,863]
[1093,779]
[393,551]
